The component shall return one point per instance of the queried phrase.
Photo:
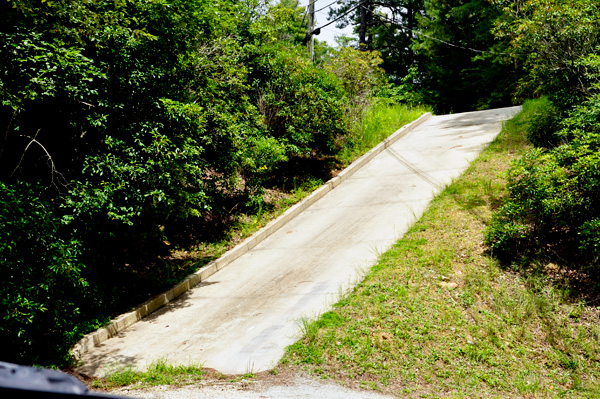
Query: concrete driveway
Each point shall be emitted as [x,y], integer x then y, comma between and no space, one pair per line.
[242,318]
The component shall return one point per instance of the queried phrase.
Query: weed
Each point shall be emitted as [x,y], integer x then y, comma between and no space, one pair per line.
[378,124]
[159,372]
[249,371]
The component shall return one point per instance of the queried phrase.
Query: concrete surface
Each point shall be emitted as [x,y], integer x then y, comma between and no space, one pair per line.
[241,318]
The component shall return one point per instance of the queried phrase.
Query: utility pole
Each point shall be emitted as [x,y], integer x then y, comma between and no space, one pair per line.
[311,27]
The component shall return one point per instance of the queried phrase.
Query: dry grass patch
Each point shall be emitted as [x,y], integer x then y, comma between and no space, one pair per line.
[437,317]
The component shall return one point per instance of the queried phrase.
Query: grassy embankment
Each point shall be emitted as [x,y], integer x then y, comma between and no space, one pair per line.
[438,317]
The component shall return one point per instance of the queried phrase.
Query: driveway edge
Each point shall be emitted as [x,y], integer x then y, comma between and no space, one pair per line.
[127,319]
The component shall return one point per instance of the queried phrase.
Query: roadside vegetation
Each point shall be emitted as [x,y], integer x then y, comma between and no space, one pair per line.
[157,373]
[438,316]
[141,139]
[494,292]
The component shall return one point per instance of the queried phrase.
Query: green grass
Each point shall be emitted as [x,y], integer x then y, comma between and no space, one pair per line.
[379,122]
[157,373]
[437,317]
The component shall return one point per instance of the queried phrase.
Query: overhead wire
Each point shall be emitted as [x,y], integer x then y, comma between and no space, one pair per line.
[320,9]
[327,6]
[341,16]
[399,25]
[419,33]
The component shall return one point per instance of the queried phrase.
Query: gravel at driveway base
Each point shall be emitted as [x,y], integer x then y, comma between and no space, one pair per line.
[299,387]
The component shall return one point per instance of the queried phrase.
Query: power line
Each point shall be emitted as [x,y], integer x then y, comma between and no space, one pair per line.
[334,30]
[338,18]
[327,6]
[320,9]
[419,33]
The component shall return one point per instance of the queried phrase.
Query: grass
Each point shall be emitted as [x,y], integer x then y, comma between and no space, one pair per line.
[379,123]
[157,373]
[437,317]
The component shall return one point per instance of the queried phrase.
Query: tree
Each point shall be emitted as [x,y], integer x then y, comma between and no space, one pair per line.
[289,20]
[460,61]
[124,124]
[552,211]
[119,121]
[557,41]
[386,26]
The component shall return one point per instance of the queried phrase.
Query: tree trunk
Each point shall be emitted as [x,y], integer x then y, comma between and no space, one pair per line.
[362,33]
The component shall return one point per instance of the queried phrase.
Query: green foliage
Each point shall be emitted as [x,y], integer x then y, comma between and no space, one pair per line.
[301,105]
[287,22]
[553,208]
[388,27]
[48,69]
[377,124]
[40,271]
[459,59]
[585,117]
[557,42]
[403,92]
[148,122]
[436,317]
[540,120]
[361,76]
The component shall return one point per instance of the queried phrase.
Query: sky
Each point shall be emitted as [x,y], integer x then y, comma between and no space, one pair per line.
[328,33]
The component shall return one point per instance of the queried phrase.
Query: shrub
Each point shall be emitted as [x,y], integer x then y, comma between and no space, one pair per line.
[302,106]
[39,271]
[147,119]
[558,42]
[553,209]
[360,75]
[585,117]
[541,122]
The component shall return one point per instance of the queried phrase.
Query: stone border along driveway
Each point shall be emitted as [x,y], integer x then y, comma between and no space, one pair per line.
[127,319]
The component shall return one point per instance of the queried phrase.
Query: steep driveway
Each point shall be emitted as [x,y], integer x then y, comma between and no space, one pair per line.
[241,319]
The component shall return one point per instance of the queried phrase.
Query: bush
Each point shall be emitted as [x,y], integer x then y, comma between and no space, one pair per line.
[40,272]
[558,42]
[552,213]
[151,121]
[585,117]
[302,106]
[541,118]
[361,76]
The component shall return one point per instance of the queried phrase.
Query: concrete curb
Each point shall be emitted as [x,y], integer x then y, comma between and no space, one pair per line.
[127,319]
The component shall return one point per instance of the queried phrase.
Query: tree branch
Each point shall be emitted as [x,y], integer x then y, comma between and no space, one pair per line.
[53,171]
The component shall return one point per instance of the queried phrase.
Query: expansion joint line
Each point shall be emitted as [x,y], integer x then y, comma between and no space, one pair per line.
[422,174]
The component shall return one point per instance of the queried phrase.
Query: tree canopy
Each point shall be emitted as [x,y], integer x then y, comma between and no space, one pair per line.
[125,123]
